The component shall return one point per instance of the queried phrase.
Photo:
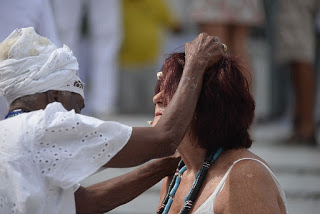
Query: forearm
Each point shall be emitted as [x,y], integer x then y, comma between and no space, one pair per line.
[180,110]
[107,195]
[204,51]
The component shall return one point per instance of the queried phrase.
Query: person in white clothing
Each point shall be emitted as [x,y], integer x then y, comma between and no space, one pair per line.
[217,141]
[104,42]
[19,14]
[47,147]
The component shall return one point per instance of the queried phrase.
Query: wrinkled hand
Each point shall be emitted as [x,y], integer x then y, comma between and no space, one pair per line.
[204,50]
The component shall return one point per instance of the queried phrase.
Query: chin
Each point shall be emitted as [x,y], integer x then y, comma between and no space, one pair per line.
[155,121]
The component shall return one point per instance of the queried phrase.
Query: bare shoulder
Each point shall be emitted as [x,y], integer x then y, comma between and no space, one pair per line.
[249,188]
[248,172]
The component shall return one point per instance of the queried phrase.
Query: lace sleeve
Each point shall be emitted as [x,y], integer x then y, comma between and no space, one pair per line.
[70,147]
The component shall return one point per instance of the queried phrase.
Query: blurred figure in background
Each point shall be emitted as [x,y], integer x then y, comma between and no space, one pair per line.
[104,26]
[317,106]
[19,14]
[144,22]
[296,48]
[231,21]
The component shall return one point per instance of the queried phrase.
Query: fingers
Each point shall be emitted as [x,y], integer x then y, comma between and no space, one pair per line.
[215,39]
[205,49]
[203,40]
[210,40]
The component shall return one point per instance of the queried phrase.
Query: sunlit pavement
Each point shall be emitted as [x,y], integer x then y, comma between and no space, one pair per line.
[297,168]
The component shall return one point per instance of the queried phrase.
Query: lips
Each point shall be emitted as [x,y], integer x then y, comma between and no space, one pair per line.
[158,114]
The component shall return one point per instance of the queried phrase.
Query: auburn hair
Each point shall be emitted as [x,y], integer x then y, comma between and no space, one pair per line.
[225,108]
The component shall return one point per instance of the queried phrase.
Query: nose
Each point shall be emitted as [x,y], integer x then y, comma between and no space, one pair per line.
[158,97]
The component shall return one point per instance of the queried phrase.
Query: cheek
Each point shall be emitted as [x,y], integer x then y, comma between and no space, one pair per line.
[66,105]
[71,105]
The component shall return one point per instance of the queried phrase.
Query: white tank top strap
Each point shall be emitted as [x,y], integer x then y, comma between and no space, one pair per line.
[208,204]
[282,194]
[223,180]
[273,175]
[254,160]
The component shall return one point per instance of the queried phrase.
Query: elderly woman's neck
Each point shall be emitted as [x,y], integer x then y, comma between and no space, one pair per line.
[192,155]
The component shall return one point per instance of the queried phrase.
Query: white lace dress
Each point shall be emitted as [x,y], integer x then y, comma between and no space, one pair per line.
[46,153]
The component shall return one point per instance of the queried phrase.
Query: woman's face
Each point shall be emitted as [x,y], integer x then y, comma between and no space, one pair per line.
[71,101]
[159,107]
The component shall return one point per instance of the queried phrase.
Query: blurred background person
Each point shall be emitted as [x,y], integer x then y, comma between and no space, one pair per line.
[144,25]
[232,21]
[100,64]
[296,47]
[317,109]
[19,14]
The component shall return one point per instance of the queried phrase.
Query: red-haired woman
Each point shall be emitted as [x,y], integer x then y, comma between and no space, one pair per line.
[217,174]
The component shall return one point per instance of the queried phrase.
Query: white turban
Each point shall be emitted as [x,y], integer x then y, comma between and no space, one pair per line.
[31,64]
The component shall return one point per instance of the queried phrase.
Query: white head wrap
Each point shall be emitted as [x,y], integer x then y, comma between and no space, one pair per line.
[31,64]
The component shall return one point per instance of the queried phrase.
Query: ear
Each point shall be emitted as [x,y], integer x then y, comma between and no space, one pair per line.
[53,96]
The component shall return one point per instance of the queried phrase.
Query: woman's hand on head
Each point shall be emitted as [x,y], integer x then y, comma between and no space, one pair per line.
[204,50]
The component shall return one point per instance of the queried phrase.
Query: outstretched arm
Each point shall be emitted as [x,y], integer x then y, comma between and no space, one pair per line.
[107,195]
[163,139]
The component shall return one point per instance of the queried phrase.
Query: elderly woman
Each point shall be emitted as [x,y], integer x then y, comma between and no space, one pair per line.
[217,173]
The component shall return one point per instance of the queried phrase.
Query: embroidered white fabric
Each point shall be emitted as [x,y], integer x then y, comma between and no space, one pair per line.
[30,63]
[44,154]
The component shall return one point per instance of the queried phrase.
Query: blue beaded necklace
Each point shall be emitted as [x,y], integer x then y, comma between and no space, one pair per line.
[194,190]
[15,113]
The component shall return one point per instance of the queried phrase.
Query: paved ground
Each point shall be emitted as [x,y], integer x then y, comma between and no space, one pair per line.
[297,168]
